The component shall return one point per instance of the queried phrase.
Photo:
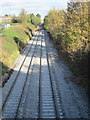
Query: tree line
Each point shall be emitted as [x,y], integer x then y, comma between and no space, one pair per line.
[69,29]
[24,17]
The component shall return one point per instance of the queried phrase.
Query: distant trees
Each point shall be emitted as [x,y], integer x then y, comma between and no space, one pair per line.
[28,18]
[24,17]
[38,15]
[70,31]
[15,19]
[35,20]
[6,15]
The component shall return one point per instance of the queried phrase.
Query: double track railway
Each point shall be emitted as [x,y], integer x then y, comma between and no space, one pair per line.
[31,91]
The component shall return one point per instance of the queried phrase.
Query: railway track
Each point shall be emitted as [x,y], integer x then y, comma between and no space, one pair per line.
[31,91]
[50,106]
[9,85]
[4,93]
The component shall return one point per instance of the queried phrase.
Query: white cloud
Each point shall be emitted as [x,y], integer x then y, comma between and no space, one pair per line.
[42,6]
[83,0]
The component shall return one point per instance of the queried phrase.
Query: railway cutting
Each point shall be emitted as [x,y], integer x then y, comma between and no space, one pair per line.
[31,91]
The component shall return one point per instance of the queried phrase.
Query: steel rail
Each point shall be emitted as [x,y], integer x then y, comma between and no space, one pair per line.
[39,105]
[25,80]
[53,86]
[16,77]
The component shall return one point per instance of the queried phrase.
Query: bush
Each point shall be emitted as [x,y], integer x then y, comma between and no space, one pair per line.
[69,30]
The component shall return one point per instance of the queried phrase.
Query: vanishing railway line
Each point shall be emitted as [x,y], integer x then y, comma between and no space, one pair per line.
[31,91]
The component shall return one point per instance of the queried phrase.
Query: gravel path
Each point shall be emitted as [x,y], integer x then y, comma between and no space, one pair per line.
[73,97]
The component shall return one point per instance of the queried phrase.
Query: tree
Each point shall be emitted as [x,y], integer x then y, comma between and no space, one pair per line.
[69,29]
[38,15]
[22,15]
[35,20]
[28,17]
[15,19]
[54,21]
[77,25]
[6,15]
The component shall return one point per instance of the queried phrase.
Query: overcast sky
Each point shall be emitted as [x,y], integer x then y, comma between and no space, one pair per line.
[31,6]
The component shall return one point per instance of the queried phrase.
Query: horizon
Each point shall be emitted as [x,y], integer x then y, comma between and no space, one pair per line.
[42,7]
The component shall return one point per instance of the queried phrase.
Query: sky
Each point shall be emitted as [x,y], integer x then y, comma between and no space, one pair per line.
[13,7]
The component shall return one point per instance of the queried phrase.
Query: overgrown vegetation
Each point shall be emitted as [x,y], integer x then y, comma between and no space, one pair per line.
[14,40]
[15,37]
[69,30]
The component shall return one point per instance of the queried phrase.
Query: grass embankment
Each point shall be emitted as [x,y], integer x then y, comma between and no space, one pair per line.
[14,40]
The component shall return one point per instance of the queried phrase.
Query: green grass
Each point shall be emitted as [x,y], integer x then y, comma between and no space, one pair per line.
[10,49]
